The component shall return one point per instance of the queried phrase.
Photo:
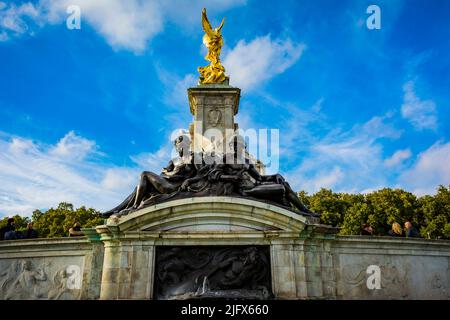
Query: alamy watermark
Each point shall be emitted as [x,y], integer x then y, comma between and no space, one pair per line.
[73,277]
[230,146]
[374,279]
[373,22]
[73,21]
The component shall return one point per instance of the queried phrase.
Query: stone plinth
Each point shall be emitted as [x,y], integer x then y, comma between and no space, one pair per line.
[57,268]
[307,260]
[213,108]
[197,222]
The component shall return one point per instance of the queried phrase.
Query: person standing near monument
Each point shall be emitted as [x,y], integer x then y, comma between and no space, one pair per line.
[8,232]
[410,231]
[75,231]
[29,233]
[367,230]
[396,230]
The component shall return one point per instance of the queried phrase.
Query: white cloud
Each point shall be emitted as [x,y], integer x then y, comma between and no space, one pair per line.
[325,179]
[317,106]
[175,94]
[175,98]
[3,36]
[21,145]
[345,163]
[250,64]
[188,13]
[349,161]
[38,176]
[429,171]
[421,113]
[353,161]
[377,127]
[124,24]
[14,19]
[128,25]
[397,158]
[117,178]
[247,64]
[295,130]
[154,161]
[73,147]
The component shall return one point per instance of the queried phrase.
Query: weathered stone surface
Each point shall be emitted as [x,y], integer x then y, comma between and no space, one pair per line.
[410,268]
[213,108]
[211,214]
[49,269]
[307,260]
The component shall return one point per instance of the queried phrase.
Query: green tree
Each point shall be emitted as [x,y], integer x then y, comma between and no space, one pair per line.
[430,214]
[56,222]
[21,222]
[304,197]
[434,212]
[355,217]
[387,206]
[332,206]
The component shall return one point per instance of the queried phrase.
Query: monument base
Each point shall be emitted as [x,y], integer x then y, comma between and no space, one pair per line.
[245,249]
[213,107]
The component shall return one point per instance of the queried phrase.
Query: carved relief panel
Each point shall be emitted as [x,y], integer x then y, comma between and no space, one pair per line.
[40,279]
[207,272]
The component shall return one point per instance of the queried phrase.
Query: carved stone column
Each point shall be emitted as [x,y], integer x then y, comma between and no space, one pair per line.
[110,283]
[213,108]
[93,266]
[111,262]
[283,271]
[141,272]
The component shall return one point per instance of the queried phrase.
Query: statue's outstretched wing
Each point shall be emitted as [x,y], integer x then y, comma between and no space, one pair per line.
[221,25]
[206,25]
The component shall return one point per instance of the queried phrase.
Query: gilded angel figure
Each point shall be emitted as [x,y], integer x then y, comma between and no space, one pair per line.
[215,72]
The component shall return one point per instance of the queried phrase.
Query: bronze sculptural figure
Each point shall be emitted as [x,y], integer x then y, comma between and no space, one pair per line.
[190,175]
[243,180]
[195,175]
[152,186]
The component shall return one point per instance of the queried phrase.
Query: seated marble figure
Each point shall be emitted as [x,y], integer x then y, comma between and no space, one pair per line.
[184,177]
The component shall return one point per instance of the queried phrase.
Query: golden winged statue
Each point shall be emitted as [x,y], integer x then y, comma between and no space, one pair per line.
[215,72]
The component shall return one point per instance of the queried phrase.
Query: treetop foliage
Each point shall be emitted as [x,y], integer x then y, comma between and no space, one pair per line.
[429,214]
[56,222]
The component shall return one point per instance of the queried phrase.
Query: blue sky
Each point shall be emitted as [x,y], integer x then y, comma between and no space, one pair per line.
[82,112]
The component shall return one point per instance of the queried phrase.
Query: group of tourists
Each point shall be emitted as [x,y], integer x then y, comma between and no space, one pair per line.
[9,232]
[409,231]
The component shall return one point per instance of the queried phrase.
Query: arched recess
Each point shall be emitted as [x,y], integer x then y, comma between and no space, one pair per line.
[210,214]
